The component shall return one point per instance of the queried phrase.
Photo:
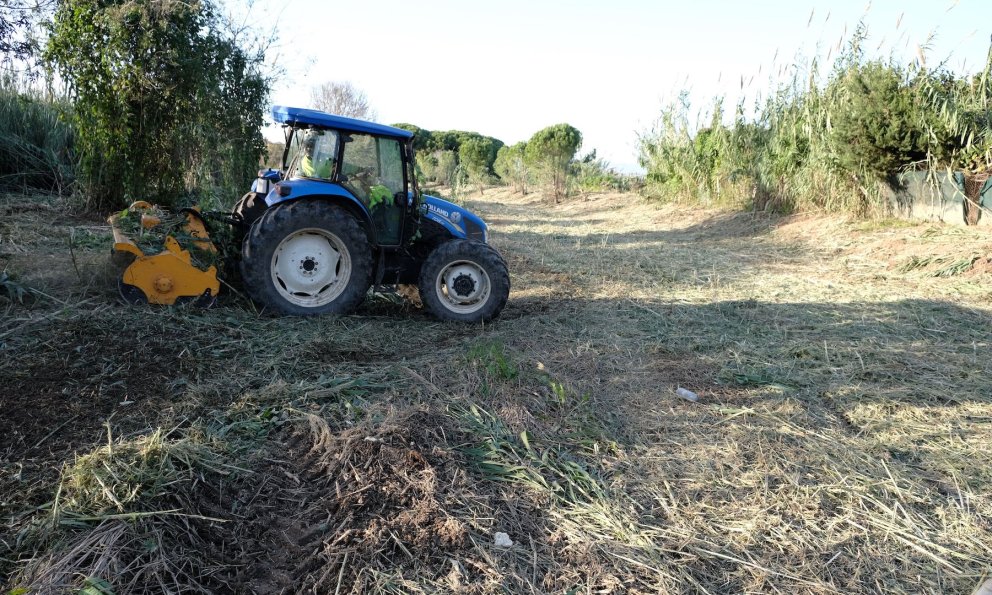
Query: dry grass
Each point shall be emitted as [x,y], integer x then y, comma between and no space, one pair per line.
[840,443]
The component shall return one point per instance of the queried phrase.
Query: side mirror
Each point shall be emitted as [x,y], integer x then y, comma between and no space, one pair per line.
[399,199]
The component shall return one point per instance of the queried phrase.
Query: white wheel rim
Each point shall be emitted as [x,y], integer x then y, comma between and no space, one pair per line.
[463,287]
[311,267]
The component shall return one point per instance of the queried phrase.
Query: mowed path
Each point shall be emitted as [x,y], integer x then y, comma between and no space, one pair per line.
[843,435]
[840,441]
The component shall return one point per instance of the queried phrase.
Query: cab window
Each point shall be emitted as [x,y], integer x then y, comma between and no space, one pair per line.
[373,168]
[317,155]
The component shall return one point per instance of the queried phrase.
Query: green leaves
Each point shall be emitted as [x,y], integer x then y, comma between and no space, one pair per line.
[550,151]
[829,144]
[875,120]
[477,154]
[511,166]
[96,586]
[167,102]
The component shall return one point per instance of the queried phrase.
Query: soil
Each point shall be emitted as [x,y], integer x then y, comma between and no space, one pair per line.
[334,507]
[58,400]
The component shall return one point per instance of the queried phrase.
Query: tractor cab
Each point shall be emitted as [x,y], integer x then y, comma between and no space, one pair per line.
[368,166]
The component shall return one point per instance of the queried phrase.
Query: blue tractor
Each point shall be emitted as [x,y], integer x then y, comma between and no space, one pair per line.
[343,212]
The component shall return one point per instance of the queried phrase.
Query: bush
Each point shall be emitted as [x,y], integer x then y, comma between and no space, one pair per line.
[826,146]
[476,156]
[452,157]
[590,174]
[668,153]
[167,103]
[876,130]
[960,125]
[438,167]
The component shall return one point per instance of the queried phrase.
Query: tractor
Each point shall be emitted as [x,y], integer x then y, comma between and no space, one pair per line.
[341,214]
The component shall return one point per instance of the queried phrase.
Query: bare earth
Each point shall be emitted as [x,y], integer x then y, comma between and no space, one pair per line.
[841,441]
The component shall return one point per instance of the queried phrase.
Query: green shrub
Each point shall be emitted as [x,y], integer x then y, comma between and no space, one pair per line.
[828,145]
[959,123]
[591,174]
[447,156]
[668,153]
[166,102]
[476,156]
[875,125]
[438,167]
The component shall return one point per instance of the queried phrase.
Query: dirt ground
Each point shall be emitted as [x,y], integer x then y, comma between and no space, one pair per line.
[840,442]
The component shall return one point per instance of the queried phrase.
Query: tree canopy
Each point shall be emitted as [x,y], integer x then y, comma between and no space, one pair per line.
[550,150]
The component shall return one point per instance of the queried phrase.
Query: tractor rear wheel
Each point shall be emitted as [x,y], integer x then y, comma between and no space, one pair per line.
[464,281]
[305,258]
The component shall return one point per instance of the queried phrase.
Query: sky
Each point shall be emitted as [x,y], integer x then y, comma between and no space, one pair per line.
[507,69]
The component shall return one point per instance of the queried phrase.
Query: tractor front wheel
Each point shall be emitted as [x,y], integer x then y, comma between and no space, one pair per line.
[464,281]
[305,258]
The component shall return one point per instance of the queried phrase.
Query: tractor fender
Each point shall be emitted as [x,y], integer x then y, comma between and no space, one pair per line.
[288,190]
[331,193]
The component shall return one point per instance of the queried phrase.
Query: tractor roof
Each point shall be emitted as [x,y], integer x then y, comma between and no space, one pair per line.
[311,117]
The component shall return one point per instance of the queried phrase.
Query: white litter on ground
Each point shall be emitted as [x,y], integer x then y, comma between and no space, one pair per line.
[502,540]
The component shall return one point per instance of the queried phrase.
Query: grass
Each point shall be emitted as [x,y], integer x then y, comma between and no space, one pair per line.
[840,443]
[35,141]
[492,356]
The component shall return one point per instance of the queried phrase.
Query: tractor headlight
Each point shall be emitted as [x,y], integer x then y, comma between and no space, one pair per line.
[260,185]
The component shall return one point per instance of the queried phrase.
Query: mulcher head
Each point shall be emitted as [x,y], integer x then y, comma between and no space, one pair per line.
[171,275]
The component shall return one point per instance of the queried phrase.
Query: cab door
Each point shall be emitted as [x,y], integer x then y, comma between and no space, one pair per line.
[372,169]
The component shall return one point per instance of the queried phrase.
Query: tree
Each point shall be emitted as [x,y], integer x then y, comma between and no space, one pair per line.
[511,166]
[550,150]
[18,19]
[444,140]
[166,102]
[874,127]
[343,99]
[447,167]
[476,155]
[422,138]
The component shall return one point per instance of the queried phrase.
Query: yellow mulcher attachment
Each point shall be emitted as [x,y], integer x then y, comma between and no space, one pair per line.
[169,276]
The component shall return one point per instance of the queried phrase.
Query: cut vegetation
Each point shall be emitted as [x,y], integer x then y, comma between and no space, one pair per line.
[840,443]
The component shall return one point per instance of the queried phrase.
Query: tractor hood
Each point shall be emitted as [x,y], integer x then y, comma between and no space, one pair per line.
[461,222]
